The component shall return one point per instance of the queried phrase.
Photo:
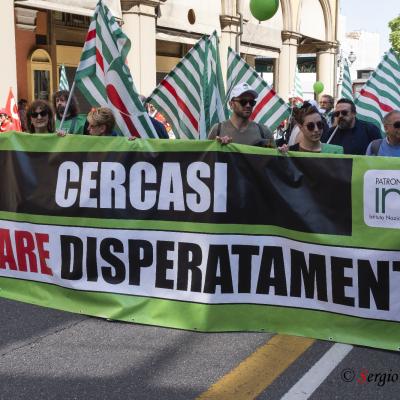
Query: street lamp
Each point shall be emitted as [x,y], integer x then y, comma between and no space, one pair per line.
[352,57]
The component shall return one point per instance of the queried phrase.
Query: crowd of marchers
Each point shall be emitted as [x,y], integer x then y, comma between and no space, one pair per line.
[317,128]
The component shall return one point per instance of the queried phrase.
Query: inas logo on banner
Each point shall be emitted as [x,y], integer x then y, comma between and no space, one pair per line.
[382,198]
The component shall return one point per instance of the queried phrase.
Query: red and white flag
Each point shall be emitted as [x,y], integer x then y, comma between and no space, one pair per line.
[12,111]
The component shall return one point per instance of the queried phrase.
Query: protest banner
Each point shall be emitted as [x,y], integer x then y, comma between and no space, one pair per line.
[195,235]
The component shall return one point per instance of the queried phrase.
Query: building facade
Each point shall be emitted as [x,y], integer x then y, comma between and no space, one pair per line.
[37,36]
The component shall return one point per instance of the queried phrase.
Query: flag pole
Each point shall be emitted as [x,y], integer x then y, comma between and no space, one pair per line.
[332,135]
[67,106]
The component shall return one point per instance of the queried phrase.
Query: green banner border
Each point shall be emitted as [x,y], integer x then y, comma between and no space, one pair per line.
[206,317]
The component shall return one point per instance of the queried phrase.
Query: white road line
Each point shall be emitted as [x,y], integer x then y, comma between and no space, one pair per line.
[313,378]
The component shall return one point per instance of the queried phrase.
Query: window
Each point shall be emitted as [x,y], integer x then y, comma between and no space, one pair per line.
[40,76]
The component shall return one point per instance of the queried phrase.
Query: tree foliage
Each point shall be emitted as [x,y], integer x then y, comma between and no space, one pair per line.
[394,36]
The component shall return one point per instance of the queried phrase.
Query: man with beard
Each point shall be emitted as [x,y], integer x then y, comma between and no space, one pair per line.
[238,128]
[74,122]
[351,133]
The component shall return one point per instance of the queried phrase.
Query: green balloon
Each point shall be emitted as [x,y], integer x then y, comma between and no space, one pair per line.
[263,9]
[318,87]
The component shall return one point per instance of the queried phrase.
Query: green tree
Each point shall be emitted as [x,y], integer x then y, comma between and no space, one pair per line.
[394,36]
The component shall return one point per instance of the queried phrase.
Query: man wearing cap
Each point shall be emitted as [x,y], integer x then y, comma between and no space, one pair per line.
[5,123]
[238,128]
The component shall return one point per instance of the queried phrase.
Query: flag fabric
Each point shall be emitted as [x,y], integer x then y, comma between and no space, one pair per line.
[191,96]
[214,93]
[347,85]
[12,110]
[298,89]
[104,78]
[63,85]
[270,109]
[381,93]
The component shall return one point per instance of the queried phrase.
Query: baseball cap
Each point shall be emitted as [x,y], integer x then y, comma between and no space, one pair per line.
[242,88]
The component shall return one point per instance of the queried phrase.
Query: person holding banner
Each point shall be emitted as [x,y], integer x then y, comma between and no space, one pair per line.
[101,122]
[239,128]
[351,133]
[311,126]
[389,146]
[40,117]
[74,122]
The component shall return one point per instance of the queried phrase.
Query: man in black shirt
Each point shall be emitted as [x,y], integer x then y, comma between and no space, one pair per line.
[351,133]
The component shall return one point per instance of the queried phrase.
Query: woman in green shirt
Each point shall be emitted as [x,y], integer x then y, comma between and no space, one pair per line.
[311,126]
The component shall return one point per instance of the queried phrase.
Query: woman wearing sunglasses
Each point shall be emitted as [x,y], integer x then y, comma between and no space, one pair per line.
[311,126]
[40,117]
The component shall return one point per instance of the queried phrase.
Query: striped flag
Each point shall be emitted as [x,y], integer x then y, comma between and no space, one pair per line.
[270,109]
[63,79]
[191,96]
[104,78]
[347,85]
[381,93]
[298,89]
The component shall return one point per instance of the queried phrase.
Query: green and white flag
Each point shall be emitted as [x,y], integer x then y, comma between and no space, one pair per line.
[191,96]
[298,89]
[270,109]
[381,93]
[64,85]
[347,85]
[104,78]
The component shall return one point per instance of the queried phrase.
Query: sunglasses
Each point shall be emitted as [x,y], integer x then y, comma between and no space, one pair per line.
[43,113]
[311,125]
[244,102]
[345,113]
[396,125]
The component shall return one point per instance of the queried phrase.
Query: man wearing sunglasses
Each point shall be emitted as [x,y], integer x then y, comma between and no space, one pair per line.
[390,145]
[239,128]
[351,133]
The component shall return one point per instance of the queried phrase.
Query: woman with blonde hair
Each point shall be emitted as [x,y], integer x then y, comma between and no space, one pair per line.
[40,117]
[101,122]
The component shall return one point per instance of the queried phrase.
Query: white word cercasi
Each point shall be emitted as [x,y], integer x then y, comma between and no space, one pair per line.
[198,188]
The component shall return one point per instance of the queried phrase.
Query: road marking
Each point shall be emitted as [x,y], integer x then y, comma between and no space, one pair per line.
[259,370]
[313,378]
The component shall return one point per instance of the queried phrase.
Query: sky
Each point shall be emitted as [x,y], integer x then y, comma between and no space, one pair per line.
[371,16]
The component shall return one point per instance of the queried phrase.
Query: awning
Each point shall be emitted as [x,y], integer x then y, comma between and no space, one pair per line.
[79,7]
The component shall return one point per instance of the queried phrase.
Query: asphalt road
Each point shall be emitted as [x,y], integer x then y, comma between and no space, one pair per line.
[49,354]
